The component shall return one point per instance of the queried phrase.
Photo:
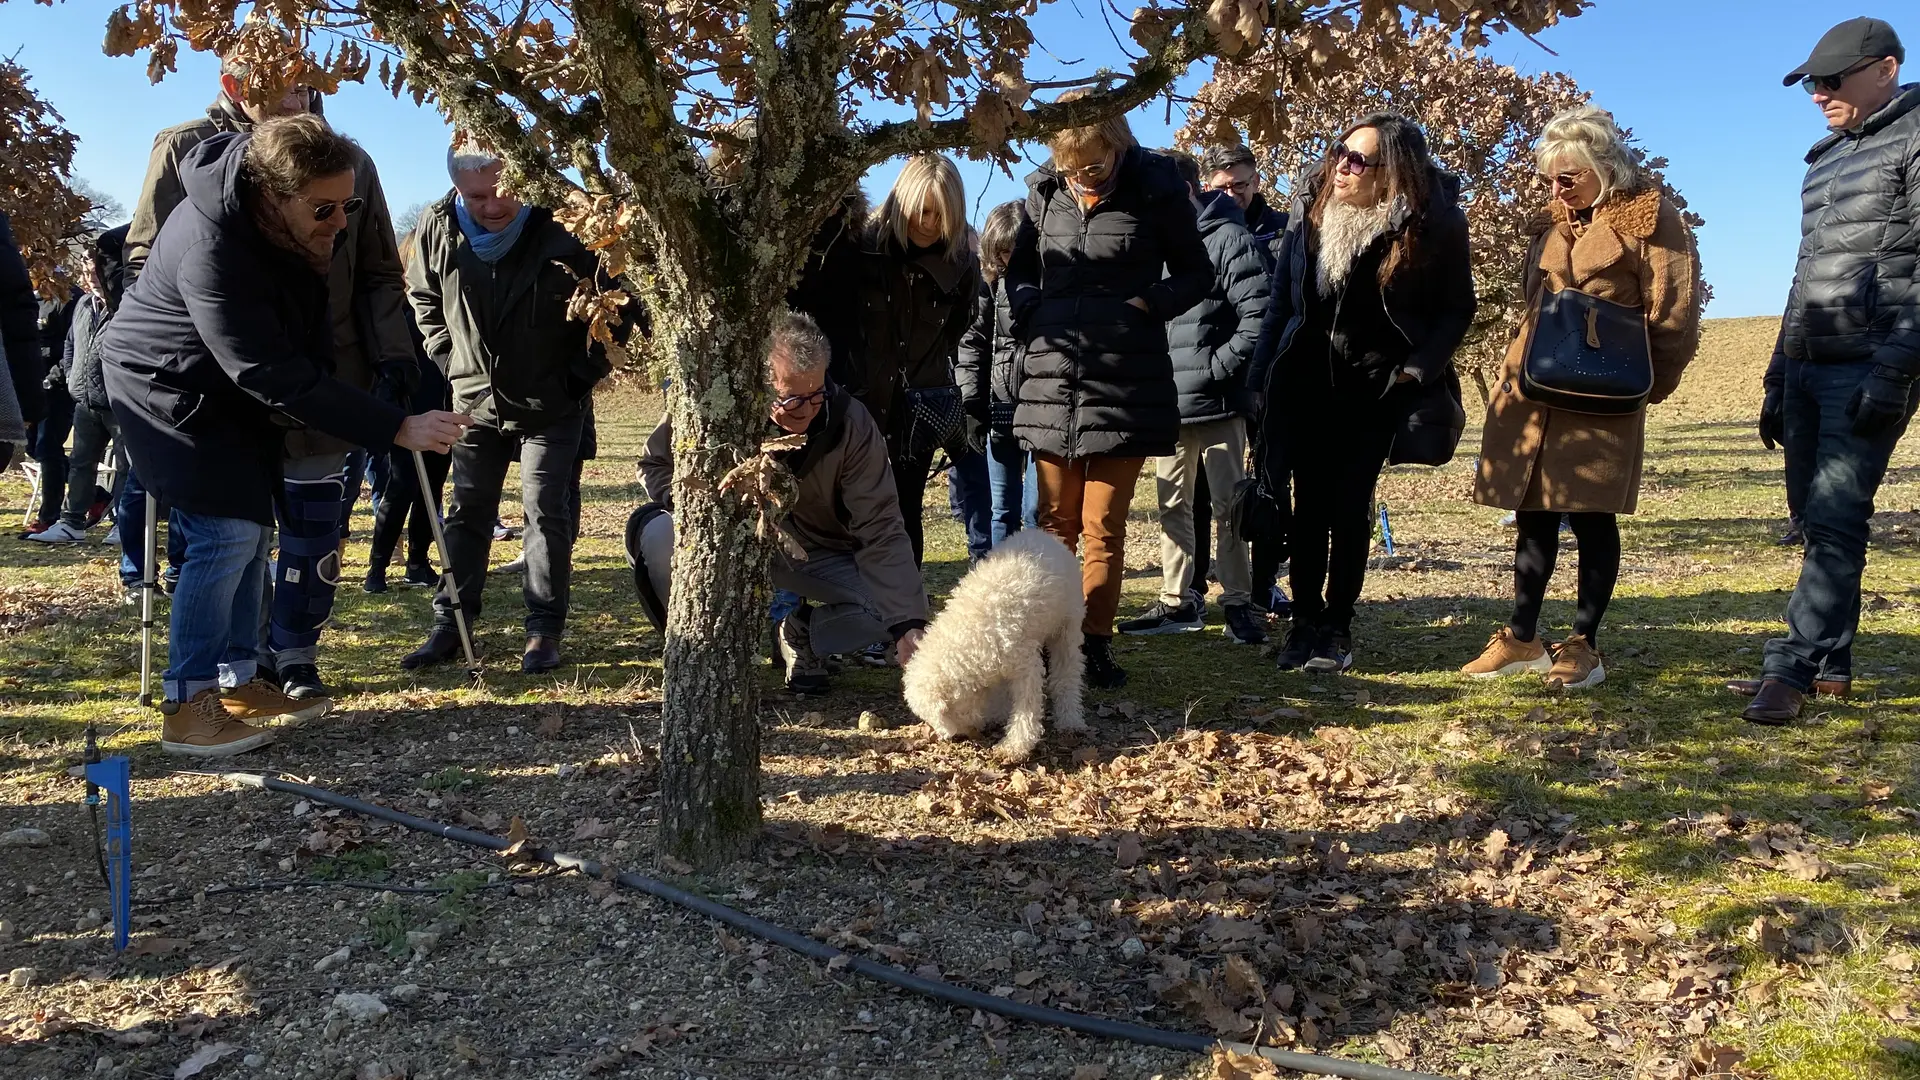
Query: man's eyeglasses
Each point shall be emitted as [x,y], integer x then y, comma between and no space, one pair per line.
[325,210]
[1352,161]
[1236,187]
[801,401]
[1818,84]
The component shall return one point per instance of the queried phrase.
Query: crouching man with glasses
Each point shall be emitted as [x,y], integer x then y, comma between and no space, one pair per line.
[1840,389]
[858,583]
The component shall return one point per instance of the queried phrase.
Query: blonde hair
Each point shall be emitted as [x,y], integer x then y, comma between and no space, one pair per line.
[1586,137]
[928,178]
[1112,135]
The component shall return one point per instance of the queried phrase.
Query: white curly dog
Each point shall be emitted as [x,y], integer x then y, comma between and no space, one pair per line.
[981,660]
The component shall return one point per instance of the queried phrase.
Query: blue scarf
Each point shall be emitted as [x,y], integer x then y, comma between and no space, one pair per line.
[491,247]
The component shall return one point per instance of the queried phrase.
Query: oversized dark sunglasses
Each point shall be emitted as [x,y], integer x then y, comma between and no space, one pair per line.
[1816,84]
[801,401]
[325,210]
[1353,161]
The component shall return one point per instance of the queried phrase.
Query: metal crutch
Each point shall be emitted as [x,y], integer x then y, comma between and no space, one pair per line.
[446,567]
[149,550]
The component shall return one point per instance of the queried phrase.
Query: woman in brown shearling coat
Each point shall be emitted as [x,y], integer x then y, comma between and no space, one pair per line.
[1612,234]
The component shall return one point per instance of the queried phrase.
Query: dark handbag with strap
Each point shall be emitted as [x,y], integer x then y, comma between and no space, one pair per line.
[936,421]
[1587,355]
[1436,417]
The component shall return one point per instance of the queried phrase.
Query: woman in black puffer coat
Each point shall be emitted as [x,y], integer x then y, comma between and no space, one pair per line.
[1112,253]
[1372,293]
[988,370]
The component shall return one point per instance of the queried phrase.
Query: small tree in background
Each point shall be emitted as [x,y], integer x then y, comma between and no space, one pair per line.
[36,188]
[1482,119]
[607,109]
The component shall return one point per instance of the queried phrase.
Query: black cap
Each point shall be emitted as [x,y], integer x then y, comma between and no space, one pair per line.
[1848,44]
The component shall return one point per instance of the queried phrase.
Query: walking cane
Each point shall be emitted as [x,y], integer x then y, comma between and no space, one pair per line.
[149,544]
[446,567]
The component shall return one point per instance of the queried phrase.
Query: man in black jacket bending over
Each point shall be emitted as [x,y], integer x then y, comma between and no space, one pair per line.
[1840,389]
[490,280]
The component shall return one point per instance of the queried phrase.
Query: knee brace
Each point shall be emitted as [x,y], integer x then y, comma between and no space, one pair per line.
[309,565]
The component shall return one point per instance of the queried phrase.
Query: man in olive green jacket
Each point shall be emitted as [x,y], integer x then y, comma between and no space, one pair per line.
[373,350]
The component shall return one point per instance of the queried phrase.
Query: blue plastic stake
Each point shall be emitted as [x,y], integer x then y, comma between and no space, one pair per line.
[1386,529]
[112,777]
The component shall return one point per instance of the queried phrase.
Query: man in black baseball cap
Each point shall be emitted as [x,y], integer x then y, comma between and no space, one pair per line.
[1841,387]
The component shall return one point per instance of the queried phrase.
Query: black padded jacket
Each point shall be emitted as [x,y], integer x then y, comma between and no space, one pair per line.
[1856,286]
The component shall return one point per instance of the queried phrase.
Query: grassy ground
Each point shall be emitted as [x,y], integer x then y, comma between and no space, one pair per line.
[1400,864]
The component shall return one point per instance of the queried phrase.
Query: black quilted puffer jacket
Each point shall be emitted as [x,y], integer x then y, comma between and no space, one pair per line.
[1856,287]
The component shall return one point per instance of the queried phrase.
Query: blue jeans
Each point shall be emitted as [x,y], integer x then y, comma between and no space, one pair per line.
[1841,473]
[213,627]
[131,516]
[971,484]
[1011,493]
[47,444]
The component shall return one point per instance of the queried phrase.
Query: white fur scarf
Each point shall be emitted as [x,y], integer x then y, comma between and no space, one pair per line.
[1345,233]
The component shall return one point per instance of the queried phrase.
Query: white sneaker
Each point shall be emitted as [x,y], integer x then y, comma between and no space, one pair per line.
[59,533]
[112,539]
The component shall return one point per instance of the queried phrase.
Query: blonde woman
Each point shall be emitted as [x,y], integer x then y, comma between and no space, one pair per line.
[1613,235]
[913,294]
[1111,253]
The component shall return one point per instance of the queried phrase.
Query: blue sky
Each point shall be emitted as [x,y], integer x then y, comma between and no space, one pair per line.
[1697,80]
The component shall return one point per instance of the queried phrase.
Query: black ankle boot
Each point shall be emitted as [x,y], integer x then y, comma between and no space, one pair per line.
[1102,672]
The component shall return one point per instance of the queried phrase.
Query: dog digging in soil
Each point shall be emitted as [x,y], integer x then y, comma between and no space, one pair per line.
[1008,639]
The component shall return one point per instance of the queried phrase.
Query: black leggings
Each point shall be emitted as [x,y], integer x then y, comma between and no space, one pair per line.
[1535,553]
[402,509]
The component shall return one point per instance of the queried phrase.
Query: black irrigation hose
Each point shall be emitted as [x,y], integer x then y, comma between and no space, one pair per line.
[806,946]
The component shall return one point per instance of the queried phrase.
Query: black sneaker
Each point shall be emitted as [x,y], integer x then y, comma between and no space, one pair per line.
[1302,639]
[1161,619]
[1245,626]
[1334,655]
[302,681]
[1102,672]
[376,580]
[420,576]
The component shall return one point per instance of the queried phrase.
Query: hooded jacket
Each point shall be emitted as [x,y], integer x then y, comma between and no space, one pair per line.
[1212,341]
[503,327]
[1097,376]
[366,284]
[844,501]
[1856,285]
[20,328]
[1429,305]
[223,337]
[988,366]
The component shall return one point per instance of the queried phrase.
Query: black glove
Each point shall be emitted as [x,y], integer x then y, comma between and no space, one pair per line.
[976,434]
[1881,403]
[394,382]
[1773,417]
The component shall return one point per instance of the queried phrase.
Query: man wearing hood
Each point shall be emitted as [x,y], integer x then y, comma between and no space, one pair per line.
[1840,388]
[222,344]
[1210,343]
[373,349]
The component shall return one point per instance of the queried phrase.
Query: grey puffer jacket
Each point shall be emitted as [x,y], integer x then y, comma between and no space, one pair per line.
[1856,286]
[80,358]
[1212,341]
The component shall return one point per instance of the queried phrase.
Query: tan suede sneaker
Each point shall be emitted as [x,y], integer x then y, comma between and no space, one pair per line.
[261,700]
[1508,655]
[1576,665]
[201,728]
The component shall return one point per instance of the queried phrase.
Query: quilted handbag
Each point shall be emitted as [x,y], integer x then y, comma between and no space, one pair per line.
[1587,355]
[936,421]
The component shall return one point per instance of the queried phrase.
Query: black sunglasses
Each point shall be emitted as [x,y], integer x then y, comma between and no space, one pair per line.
[1353,161]
[1815,84]
[801,401]
[325,210]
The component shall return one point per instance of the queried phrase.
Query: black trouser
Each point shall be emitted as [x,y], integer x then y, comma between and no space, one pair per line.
[1538,548]
[401,508]
[547,459]
[1336,452]
[910,481]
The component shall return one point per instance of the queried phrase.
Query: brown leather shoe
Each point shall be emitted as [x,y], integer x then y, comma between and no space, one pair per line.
[1776,705]
[1833,688]
[543,654]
